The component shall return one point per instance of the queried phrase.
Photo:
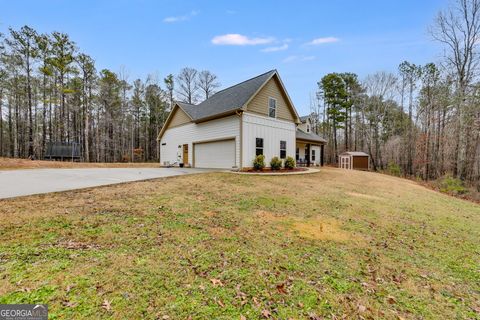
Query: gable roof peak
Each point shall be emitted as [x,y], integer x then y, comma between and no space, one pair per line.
[232,98]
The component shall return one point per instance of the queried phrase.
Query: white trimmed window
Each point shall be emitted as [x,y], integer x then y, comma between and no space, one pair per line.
[283,149]
[258,146]
[272,108]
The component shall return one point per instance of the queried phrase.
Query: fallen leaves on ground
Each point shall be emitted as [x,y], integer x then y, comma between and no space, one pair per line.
[281,288]
[266,313]
[106,305]
[216,282]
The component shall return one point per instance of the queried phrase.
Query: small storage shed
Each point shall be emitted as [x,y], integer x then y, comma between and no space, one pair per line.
[354,160]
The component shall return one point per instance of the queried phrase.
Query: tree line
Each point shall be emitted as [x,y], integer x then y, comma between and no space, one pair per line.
[423,120]
[51,92]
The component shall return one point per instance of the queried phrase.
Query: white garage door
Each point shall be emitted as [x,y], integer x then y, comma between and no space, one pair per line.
[218,154]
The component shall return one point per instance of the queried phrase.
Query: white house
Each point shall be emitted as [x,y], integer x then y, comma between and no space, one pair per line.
[234,125]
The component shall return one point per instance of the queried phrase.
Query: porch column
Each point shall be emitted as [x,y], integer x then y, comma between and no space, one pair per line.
[308,154]
[321,154]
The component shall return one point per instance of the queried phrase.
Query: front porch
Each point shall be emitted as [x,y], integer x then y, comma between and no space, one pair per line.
[309,149]
[308,154]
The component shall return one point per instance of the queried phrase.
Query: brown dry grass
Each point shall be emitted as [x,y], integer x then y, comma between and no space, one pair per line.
[321,229]
[318,228]
[362,195]
[13,164]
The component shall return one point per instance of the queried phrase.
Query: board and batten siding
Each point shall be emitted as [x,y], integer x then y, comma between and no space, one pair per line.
[272,131]
[272,89]
[223,128]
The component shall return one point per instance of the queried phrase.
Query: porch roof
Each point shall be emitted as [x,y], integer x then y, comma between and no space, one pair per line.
[302,136]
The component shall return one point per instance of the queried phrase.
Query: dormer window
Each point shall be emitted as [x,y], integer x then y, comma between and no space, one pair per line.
[272,108]
[308,128]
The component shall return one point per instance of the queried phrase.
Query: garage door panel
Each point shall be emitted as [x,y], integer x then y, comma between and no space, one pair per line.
[216,154]
[360,163]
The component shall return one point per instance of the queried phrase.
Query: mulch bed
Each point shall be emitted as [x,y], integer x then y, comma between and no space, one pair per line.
[274,171]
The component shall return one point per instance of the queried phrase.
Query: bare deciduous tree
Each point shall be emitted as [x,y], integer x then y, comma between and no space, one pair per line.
[207,82]
[380,88]
[187,88]
[459,30]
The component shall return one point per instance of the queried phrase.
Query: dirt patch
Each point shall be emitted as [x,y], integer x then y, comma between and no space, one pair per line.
[76,245]
[270,216]
[210,214]
[362,195]
[217,232]
[319,228]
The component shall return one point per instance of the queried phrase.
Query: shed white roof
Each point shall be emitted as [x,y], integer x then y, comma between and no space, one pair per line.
[355,153]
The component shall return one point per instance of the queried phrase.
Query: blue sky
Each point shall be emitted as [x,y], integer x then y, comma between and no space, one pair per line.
[236,40]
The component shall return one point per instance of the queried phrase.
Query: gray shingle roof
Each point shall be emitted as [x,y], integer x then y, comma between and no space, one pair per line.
[304,118]
[227,100]
[301,135]
[188,108]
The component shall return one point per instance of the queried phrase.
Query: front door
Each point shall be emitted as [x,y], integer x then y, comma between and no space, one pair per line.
[185,154]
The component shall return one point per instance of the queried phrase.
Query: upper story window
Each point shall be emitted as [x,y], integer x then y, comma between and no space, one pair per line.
[283,149]
[308,128]
[258,146]
[272,108]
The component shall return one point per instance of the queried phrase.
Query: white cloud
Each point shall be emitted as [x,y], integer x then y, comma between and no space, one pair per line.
[180,18]
[235,39]
[318,41]
[298,58]
[275,49]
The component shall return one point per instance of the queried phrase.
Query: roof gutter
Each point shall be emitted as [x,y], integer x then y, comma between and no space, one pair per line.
[310,141]
[218,115]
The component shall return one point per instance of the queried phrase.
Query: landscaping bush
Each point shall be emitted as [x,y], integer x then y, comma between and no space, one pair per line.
[449,184]
[275,163]
[394,169]
[289,163]
[259,162]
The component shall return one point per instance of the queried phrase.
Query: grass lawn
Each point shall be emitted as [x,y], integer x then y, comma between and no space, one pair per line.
[222,246]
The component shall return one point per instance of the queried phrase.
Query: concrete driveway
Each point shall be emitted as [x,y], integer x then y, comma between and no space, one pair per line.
[16,183]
